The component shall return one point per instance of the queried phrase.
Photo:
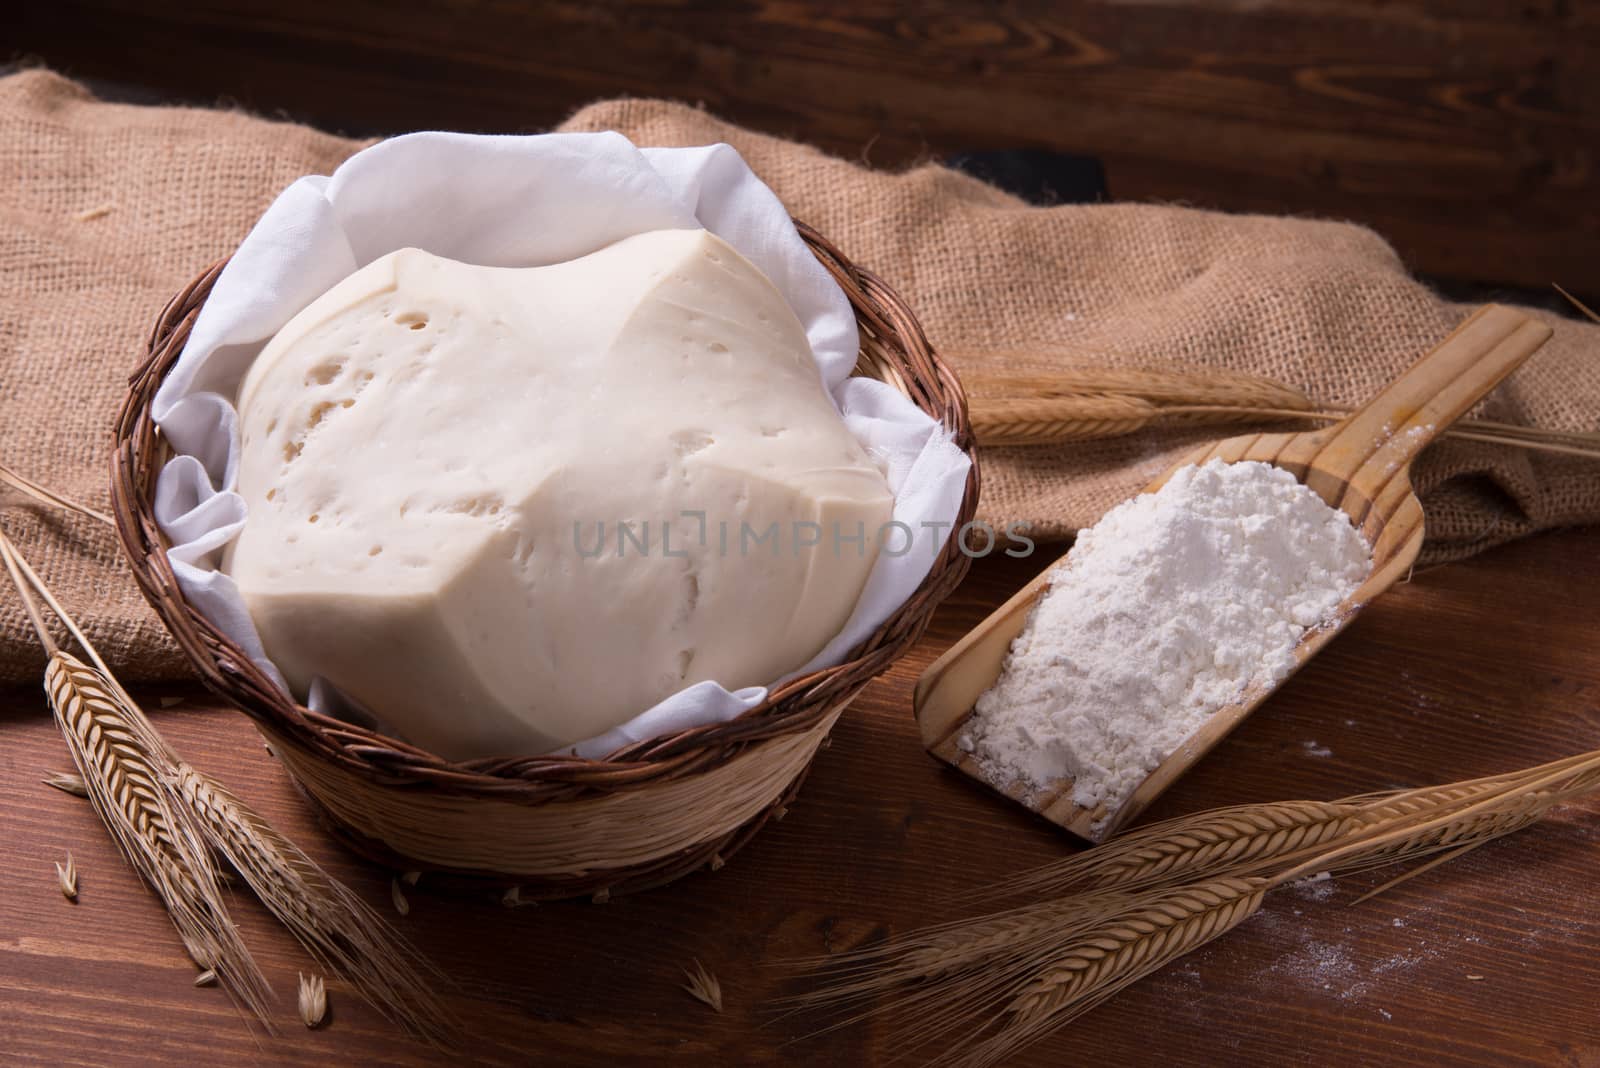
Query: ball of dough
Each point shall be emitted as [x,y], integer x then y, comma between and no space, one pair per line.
[507,509]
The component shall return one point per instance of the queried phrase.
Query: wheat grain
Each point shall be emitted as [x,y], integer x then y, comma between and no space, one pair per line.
[68,877]
[703,986]
[401,905]
[313,1000]
[67,783]
[206,978]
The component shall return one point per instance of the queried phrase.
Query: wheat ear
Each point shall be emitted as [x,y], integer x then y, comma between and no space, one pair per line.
[334,925]
[1188,848]
[1147,935]
[1093,417]
[1140,901]
[122,766]
[943,949]
[1249,839]
[1158,387]
[1128,946]
[341,931]
[1014,996]
[1091,403]
[1047,419]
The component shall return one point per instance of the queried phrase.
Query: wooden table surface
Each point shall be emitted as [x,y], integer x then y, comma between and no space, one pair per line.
[1462,131]
[1471,668]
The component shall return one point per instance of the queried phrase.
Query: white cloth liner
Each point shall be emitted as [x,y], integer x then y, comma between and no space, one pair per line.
[523,201]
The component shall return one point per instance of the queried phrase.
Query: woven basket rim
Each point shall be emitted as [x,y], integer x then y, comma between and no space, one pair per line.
[894,349]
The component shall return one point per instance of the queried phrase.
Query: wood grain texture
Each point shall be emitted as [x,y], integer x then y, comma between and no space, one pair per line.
[1463,130]
[1468,669]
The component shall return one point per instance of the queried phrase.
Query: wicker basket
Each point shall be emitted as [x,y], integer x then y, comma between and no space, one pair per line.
[552,826]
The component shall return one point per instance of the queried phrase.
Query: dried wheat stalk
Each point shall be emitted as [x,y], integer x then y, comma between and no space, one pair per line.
[1140,901]
[960,945]
[1588,313]
[340,930]
[158,838]
[1192,847]
[1045,420]
[945,948]
[1077,404]
[942,973]
[30,488]
[1158,387]
[168,818]
[1233,839]
[1128,946]
[122,763]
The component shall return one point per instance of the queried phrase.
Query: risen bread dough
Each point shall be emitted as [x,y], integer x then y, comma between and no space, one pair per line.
[429,451]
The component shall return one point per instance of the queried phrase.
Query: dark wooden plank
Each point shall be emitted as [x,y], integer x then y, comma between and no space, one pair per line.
[1485,665]
[1463,132]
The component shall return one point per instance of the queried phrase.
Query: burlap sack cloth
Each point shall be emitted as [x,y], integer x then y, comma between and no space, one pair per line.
[108,210]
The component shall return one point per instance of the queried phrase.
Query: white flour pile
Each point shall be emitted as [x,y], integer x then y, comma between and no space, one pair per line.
[1169,608]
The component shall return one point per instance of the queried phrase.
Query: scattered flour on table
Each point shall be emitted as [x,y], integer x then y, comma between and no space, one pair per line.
[1318,887]
[1172,606]
[1339,966]
[1321,965]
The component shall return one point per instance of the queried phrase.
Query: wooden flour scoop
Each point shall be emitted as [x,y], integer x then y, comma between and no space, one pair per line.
[1361,466]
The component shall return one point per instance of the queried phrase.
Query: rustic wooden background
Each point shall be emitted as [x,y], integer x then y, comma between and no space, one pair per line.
[1464,130]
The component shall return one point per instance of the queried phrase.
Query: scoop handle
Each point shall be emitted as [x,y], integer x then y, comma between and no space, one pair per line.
[1382,437]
